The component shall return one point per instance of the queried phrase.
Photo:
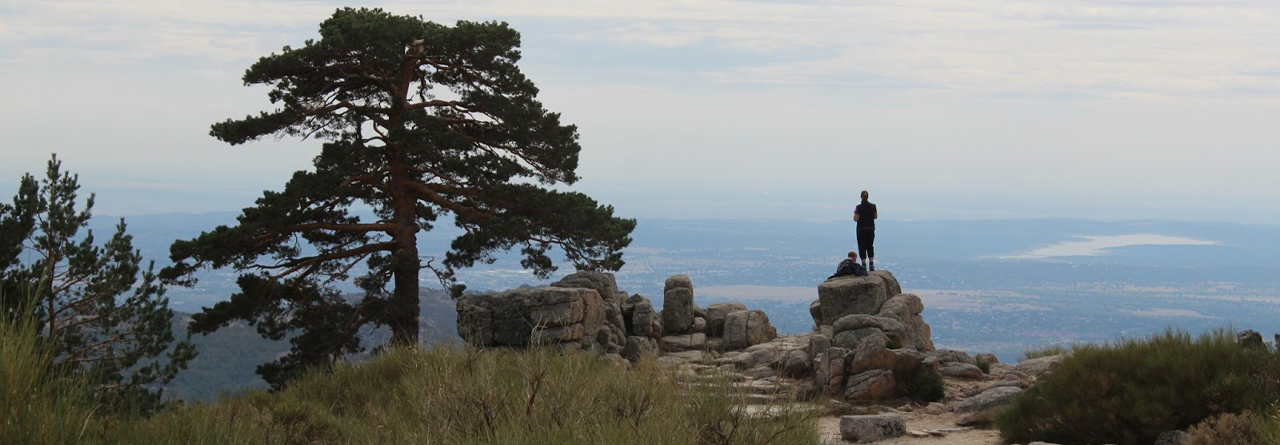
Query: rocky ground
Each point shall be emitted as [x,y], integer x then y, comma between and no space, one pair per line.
[761,373]
[870,347]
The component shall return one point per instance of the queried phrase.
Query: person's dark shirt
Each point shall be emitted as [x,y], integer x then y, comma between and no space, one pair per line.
[866,216]
[849,266]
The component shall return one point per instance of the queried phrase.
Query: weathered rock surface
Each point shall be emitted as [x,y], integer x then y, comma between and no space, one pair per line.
[983,407]
[677,304]
[815,311]
[696,341]
[890,282]
[699,325]
[746,328]
[906,309]
[558,315]
[1249,338]
[638,347]
[962,370]
[987,358]
[641,319]
[716,314]
[870,386]
[847,295]
[1174,437]
[829,370]
[953,356]
[1038,367]
[871,428]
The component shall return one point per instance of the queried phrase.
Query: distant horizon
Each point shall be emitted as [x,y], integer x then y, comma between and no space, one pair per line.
[112,199]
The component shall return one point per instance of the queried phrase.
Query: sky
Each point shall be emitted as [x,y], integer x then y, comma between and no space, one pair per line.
[1098,109]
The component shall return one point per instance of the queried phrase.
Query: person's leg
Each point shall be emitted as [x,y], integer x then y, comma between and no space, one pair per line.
[862,247]
[871,249]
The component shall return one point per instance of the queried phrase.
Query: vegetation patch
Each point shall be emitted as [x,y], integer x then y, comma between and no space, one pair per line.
[1130,391]
[921,384]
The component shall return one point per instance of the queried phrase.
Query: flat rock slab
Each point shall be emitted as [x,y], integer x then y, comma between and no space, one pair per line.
[983,407]
[871,428]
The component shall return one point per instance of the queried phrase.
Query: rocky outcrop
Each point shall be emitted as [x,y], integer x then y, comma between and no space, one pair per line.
[1038,367]
[716,314]
[746,328]
[983,407]
[906,309]
[612,335]
[565,317]
[677,304]
[870,386]
[640,318]
[847,295]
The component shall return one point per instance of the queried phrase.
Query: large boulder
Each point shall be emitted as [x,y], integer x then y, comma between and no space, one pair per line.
[638,347]
[870,386]
[1249,338]
[829,370]
[851,339]
[746,328]
[815,311]
[906,309]
[846,295]
[871,354]
[891,283]
[953,356]
[685,342]
[871,428]
[984,406]
[962,370]
[1039,366]
[716,314]
[547,315]
[677,304]
[641,319]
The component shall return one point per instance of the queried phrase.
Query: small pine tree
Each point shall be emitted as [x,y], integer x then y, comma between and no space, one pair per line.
[106,316]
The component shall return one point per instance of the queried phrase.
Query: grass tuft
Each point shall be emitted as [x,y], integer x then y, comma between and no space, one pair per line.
[458,396]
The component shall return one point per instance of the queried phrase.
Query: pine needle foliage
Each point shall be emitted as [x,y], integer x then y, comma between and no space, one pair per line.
[420,121]
[103,313]
[1130,391]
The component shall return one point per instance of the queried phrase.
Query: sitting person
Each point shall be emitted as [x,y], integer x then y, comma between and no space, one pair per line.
[850,266]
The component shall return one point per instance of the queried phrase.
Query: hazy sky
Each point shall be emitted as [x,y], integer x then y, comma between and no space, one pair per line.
[942,108]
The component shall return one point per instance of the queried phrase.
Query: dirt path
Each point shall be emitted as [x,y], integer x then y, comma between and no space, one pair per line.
[829,427]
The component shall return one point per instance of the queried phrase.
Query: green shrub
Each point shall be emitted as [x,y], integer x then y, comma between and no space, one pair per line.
[893,343]
[984,366]
[1226,429]
[1130,391]
[464,396]
[921,384]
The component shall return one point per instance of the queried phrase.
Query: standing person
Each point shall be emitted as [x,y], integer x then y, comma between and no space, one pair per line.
[865,215]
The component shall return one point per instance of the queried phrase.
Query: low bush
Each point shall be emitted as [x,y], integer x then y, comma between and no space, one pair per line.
[984,366]
[1130,391]
[921,385]
[1226,429]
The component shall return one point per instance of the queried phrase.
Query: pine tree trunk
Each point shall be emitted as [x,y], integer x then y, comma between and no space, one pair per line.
[404,300]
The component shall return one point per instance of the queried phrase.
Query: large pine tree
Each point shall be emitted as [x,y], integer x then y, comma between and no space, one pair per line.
[420,120]
[105,316]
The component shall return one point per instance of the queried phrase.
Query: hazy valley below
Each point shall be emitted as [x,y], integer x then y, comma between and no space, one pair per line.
[996,286]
